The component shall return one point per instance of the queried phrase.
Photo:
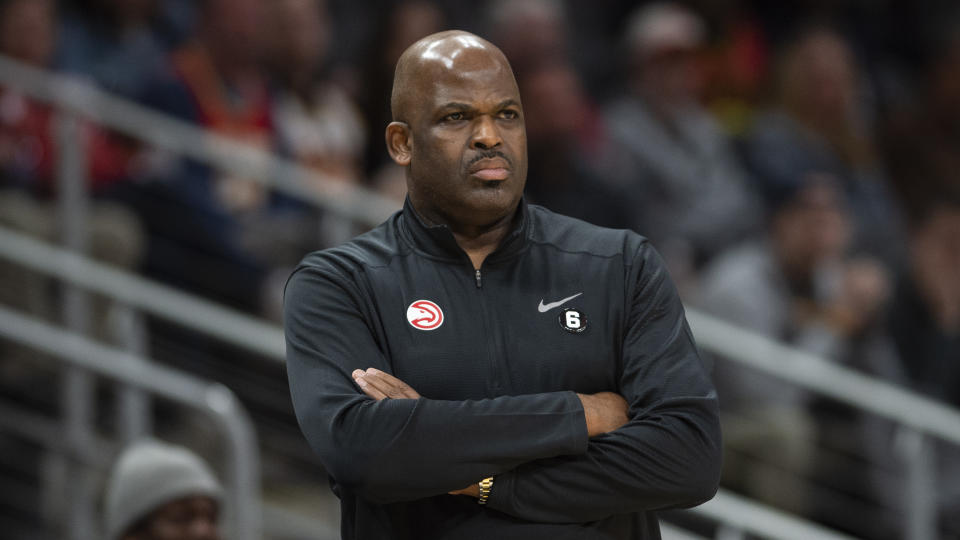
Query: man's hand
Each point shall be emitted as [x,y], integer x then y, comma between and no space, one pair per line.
[380,385]
[473,490]
[605,412]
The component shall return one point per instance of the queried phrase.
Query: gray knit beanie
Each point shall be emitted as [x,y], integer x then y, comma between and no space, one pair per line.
[149,474]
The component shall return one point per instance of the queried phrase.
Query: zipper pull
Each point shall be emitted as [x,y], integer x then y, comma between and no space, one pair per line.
[478,278]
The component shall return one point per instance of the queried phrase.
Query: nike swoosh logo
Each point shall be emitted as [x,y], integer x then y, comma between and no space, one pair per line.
[543,308]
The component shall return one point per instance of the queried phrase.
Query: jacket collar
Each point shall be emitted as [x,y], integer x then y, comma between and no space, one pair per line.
[438,240]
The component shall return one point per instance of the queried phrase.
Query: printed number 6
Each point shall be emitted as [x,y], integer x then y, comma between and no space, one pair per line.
[573,319]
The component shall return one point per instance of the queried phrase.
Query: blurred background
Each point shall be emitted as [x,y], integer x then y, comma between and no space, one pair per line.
[164,164]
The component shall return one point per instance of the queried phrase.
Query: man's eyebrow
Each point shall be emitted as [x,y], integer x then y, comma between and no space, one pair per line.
[455,105]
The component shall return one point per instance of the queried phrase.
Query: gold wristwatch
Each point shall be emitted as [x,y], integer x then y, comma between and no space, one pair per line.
[485,486]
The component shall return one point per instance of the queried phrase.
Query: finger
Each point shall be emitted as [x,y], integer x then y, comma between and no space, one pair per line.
[391,385]
[473,490]
[366,387]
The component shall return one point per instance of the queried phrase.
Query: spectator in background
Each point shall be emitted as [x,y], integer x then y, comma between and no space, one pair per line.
[925,325]
[925,321]
[566,139]
[738,65]
[217,81]
[318,126]
[406,22]
[821,115]
[28,171]
[399,27]
[530,33]
[798,286]
[688,189]
[28,34]
[922,146]
[158,491]
[318,123]
[563,151]
[114,42]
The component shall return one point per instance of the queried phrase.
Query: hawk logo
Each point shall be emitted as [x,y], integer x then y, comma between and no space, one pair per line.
[424,315]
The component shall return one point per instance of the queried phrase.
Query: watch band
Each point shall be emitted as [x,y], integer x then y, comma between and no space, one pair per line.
[486,485]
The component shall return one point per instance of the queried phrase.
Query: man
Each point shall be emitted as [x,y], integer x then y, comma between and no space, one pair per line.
[460,368]
[690,193]
[158,491]
[809,291]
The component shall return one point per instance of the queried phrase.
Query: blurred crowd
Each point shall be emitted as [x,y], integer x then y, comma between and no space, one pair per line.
[796,163]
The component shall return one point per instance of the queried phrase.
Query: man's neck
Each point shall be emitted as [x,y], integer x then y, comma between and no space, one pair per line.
[477,241]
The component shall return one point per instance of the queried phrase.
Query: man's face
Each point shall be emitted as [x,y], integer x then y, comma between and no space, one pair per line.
[189,518]
[28,31]
[814,227]
[468,149]
[238,25]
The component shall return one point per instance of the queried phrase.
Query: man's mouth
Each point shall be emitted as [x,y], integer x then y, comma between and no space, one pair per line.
[492,174]
[490,169]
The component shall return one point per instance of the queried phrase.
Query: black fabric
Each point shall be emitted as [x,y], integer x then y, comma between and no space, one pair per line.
[498,379]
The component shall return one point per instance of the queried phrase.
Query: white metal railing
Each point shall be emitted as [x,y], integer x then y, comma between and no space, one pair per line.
[921,415]
[740,516]
[828,378]
[214,399]
[146,295]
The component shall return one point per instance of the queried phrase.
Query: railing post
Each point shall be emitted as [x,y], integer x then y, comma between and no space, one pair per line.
[77,394]
[243,516]
[242,473]
[133,404]
[920,499]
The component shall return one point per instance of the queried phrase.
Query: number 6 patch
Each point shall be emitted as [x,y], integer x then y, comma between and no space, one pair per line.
[573,320]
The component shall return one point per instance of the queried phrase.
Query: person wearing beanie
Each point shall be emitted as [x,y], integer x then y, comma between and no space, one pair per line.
[157,491]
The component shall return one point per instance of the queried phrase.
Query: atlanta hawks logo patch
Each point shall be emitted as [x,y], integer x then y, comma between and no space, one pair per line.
[424,315]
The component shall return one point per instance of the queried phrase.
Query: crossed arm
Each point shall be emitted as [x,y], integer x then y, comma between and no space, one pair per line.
[603,412]
[666,454]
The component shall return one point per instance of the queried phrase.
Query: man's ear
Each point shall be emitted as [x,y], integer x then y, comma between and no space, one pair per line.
[399,142]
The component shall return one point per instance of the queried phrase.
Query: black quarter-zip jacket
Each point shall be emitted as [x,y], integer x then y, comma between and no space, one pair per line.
[497,355]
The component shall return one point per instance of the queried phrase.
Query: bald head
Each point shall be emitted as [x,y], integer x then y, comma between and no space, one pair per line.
[428,59]
[458,129]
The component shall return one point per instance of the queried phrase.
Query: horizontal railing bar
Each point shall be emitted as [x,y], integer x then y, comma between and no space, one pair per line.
[739,512]
[146,295]
[342,197]
[214,398]
[814,373]
[48,432]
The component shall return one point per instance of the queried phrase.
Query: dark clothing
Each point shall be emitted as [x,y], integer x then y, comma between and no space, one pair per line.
[498,377]
[928,353]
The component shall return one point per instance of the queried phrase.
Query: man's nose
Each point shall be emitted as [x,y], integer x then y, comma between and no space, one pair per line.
[204,529]
[485,134]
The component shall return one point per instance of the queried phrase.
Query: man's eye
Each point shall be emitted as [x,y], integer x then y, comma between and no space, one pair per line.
[509,114]
[453,117]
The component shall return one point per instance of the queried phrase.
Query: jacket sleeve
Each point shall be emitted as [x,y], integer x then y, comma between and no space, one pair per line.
[402,449]
[667,455]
